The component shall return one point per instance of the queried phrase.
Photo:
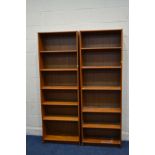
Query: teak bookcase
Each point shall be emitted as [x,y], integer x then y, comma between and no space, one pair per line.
[101,86]
[81,86]
[59,84]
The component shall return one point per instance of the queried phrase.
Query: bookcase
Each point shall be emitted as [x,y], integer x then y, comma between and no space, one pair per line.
[101,86]
[81,86]
[59,86]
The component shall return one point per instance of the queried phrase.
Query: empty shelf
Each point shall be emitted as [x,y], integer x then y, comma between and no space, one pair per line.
[104,110]
[60,118]
[101,141]
[61,138]
[101,67]
[101,126]
[59,69]
[101,88]
[59,51]
[61,87]
[60,103]
[100,48]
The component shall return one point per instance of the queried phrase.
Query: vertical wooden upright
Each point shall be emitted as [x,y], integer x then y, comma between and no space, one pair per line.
[59,86]
[101,86]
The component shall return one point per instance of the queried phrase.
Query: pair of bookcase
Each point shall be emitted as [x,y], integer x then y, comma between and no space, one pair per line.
[81,86]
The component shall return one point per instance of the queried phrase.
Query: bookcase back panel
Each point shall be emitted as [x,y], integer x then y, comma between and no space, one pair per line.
[61,128]
[99,58]
[101,133]
[104,99]
[59,60]
[59,41]
[101,77]
[101,39]
[60,95]
[60,78]
[61,110]
[101,118]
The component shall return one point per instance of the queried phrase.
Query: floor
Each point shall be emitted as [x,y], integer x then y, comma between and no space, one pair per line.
[34,146]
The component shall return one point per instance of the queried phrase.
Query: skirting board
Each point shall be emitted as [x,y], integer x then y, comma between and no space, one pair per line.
[38,132]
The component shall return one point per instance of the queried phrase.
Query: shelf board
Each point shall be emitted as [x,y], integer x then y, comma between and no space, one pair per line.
[60,103]
[101,126]
[107,30]
[101,67]
[59,69]
[61,118]
[60,87]
[99,110]
[62,138]
[101,88]
[101,141]
[59,51]
[100,48]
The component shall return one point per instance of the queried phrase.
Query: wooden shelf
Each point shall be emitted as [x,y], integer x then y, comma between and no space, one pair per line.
[101,126]
[60,103]
[100,110]
[101,67]
[59,69]
[59,51]
[100,48]
[101,88]
[60,87]
[60,118]
[101,141]
[61,138]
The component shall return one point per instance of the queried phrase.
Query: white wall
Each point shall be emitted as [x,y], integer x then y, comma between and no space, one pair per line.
[63,15]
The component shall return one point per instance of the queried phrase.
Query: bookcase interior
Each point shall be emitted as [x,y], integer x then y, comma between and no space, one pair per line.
[101,133]
[100,57]
[102,99]
[102,118]
[101,78]
[60,95]
[101,39]
[59,60]
[58,41]
[61,128]
[60,78]
[60,111]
